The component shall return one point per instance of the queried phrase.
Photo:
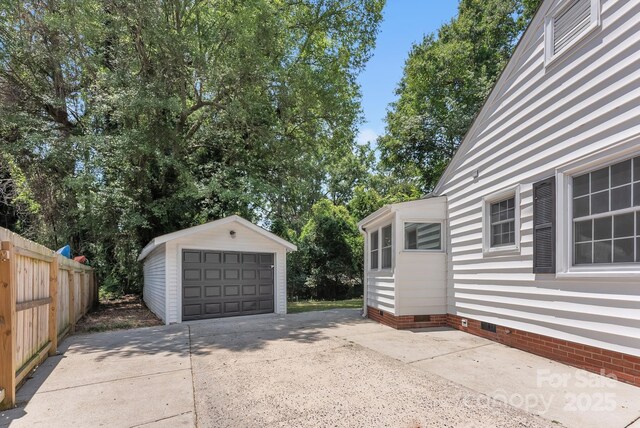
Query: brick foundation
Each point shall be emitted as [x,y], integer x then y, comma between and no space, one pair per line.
[625,367]
[404,322]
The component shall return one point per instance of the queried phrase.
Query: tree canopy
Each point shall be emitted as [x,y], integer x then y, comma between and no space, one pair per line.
[123,120]
[447,77]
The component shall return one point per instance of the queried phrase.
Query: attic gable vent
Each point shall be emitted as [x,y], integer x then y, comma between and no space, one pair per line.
[570,23]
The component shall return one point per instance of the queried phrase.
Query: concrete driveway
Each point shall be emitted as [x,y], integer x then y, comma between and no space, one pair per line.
[316,369]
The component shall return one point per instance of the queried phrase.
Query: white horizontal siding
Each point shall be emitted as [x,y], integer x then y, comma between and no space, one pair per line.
[537,121]
[220,239]
[381,291]
[154,292]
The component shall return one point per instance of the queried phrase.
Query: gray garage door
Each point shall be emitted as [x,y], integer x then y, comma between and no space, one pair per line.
[224,284]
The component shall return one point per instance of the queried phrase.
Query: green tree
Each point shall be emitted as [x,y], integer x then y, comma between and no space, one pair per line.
[127,120]
[328,263]
[446,79]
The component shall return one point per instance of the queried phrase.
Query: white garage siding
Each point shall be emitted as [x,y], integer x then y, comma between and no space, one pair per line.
[220,239]
[536,121]
[154,291]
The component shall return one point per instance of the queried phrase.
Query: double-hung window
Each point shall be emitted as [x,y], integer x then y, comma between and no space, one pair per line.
[375,245]
[606,214]
[381,249]
[386,247]
[503,222]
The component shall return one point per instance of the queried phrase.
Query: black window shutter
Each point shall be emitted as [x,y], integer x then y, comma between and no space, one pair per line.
[544,226]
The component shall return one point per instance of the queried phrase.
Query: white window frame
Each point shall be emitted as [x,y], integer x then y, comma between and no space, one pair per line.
[549,56]
[487,249]
[393,243]
[377,250]
[564,218]
[404,243]
[390,247]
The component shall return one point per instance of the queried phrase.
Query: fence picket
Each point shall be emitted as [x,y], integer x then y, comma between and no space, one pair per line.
[38,293]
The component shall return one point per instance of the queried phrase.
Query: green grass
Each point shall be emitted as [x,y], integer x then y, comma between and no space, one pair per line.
[322,305]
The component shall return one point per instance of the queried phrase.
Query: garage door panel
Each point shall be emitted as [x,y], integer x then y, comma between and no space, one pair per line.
[266,274]
[191,292]
[212,257]
[212,291]
[226,283]
[249,274]
[192,274]
[231,290]
[231,258]
[249,259]
[231,274]
[266,289]
[249,290]
[191,257]
[231,307]
[192,310]
[213,308]
[266,305]
[266,259]
[212,274]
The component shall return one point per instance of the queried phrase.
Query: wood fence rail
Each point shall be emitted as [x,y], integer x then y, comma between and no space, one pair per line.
[42,297]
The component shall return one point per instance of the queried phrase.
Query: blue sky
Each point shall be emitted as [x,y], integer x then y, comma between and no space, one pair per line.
[404,22]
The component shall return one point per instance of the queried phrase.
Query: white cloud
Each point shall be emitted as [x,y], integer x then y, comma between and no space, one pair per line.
[366,135]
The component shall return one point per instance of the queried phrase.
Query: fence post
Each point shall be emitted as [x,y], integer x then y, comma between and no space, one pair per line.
[53,306]
[7,326]
[72,301]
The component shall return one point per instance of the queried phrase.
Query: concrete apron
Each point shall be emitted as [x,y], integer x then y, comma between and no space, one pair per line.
[554,391]
[144,377]
[122,378]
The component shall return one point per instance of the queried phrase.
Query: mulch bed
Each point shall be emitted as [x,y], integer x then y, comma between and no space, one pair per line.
[125,312]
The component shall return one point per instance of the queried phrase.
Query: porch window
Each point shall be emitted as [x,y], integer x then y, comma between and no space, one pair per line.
[423,236]
[386,247]
[375,245]
[606,214]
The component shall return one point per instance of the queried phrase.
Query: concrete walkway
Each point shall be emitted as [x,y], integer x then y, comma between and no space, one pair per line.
[316,369]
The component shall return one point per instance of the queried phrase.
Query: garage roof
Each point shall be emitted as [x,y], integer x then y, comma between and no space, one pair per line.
[212,225]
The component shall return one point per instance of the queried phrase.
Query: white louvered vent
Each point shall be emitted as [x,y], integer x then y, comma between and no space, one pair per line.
[570,23]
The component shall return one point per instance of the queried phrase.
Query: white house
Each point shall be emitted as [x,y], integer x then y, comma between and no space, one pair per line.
[227,267]
[542,222]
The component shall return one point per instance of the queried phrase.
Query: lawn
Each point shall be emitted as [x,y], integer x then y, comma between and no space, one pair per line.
[322,305]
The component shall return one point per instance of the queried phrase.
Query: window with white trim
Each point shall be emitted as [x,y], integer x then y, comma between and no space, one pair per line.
[503,222]
[423,236]
[569,22]
[375,245]
[606,214]
[387,247]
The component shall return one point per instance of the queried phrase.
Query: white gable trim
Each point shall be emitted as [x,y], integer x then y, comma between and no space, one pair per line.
[212,225]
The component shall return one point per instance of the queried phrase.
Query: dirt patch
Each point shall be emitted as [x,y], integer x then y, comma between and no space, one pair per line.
[116,314]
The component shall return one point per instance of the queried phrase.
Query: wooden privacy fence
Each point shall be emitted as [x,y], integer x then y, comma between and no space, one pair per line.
[42,297]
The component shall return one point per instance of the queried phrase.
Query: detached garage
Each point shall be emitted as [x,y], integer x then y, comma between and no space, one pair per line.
[228,267]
